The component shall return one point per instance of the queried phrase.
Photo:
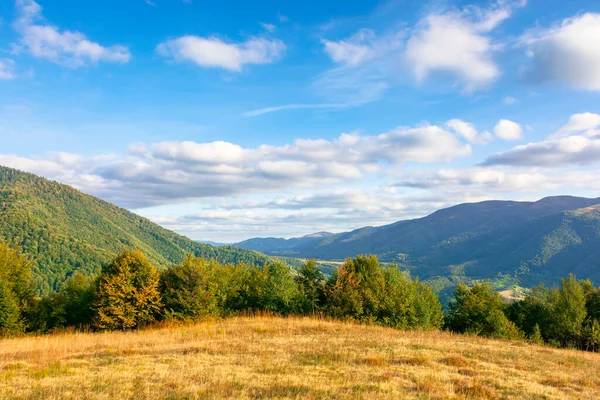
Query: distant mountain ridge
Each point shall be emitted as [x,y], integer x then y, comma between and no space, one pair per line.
[281,246]
[63,230]
[535,241]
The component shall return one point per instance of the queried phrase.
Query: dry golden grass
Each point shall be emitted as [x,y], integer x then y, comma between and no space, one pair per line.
[258,357]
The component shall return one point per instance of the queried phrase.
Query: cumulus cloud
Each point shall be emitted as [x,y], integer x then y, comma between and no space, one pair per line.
[169,172]
[354,50]
[572,150]
[7,69]
[567,54]
[212,52]
[584,123]
[508,130]
[70,48]
[458,43]
[575,143]
[496,182]
[468,132]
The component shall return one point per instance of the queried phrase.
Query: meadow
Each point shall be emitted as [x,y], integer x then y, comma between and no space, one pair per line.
[253,357]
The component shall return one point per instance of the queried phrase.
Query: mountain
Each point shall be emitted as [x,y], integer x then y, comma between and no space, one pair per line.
[284,247]
[64,230]
[532,241]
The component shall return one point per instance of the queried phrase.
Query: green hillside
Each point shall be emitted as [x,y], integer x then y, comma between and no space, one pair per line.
[63,230]
[524,242]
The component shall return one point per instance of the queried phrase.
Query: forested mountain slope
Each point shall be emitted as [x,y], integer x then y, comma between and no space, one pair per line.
[64,230]
[534,241]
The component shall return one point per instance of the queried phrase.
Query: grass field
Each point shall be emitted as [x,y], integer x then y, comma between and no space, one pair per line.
[258,357]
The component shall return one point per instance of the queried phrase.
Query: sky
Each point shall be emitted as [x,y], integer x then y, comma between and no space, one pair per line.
[225,120]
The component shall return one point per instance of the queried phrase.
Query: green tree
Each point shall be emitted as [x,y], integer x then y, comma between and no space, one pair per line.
[189,290]
[591,336]
[15,275]
[312,284]
[355,288]
[10,316]
[364,290]
[128,294]
[479,310]
[536,335]
[270,287]
[567,311]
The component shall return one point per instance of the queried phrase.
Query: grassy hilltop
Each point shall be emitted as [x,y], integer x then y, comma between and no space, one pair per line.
[258,357]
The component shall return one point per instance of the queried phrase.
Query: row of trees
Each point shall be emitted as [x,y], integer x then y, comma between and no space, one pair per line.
[563,316]
[130,293]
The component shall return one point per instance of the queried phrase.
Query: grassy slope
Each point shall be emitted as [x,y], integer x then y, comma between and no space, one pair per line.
[63,230]
[289,358]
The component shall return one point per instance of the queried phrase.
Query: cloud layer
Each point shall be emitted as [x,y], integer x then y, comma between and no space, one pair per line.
[168,172]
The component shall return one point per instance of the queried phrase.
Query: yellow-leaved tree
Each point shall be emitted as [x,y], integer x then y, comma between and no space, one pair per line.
[128,293]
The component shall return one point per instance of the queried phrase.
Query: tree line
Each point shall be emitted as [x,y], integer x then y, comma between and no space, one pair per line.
[130,293]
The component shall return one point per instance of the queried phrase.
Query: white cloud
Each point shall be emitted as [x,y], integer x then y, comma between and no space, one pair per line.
[7,69]
[572,150]
[509,100]
[508,130]
[567,54]
[268,27]
[468,131]
[267,110]
[574,144]
[213,52]
[586,123]
[169,172]
[492,182]
[458,43]
[354,50]
[69,48]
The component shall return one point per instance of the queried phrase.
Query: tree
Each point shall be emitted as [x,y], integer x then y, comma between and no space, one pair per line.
[270,287]
[10,316]
[355,288]
[312,284]
[128,295]
[479,310]
[71,306]
[189,289]
[17,288]
[364,290]
[567,309]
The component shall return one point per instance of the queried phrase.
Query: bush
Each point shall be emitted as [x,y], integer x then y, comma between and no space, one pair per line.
[189,290]
[271,287]
[364,290]
[128,295]
[479,310]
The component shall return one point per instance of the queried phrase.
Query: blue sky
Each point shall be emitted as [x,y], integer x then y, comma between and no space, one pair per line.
[227,120]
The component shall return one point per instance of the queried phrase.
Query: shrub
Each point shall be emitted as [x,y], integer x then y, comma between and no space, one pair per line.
[364,290]
[270,287]
[189,290]
[479,310]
